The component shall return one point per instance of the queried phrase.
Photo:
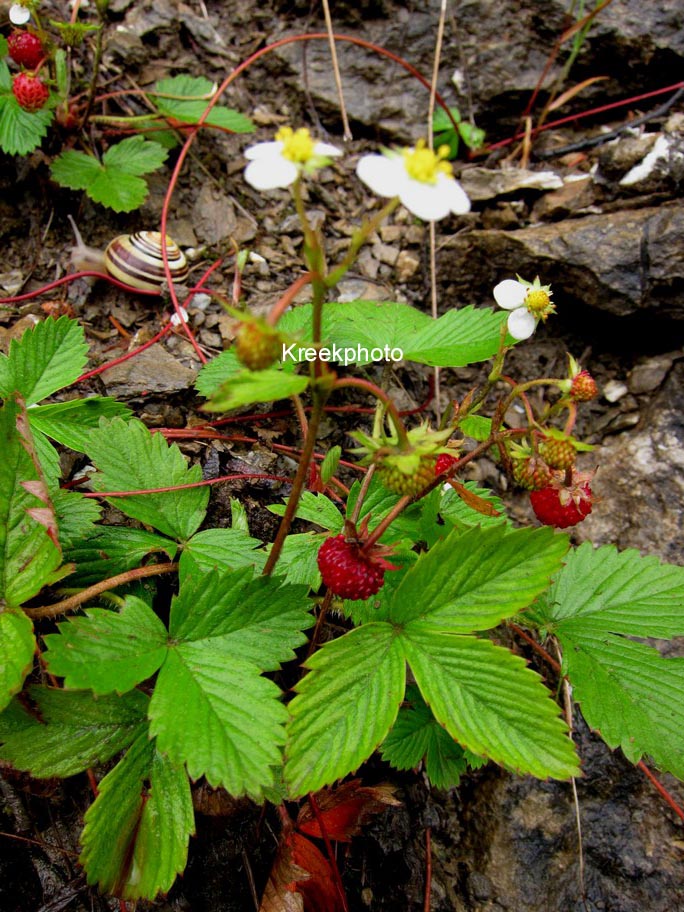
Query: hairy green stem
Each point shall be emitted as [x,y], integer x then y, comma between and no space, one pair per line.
[359,238]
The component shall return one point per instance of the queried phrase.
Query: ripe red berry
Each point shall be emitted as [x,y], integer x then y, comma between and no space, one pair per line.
[583,388]
[444,461]
[558,453]
[25,49]
[404,484]
[347,571]
[257,346]
[562,506]
[30,91]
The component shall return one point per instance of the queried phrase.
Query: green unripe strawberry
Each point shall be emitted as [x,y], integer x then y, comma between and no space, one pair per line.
[257,345]
[558,452]
[531,473]
[407,485]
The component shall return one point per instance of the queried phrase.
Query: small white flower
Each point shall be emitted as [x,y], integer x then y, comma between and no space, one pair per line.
[278,163]
[19,14]
[421,178]
[528,302]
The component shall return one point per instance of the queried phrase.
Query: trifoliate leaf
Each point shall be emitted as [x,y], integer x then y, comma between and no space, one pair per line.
[49,356]
[130,458]
[344,706]
[113,550]
[316,508]
[471,580]
[29,549]
[627,691]
[17,645]
[220,549]
[70,731]
[116,181]
[192,95]
[108,651]
[71,422]
[135,840]
[417,737]
[489,701]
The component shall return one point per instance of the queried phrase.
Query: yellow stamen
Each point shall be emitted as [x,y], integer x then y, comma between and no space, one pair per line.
[298,146]
[538,302]
[424,165]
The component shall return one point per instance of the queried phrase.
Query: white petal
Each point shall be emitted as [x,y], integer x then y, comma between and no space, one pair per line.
[521,323]
[19,15]
[322,148]
[271,172]
[454,194]
[385,176]
[510,294]
[426,201]
[263,150]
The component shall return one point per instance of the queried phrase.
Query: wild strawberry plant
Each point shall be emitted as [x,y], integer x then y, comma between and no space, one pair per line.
[423,566]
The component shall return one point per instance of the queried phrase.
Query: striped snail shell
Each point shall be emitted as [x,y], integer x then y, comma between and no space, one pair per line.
[136,260]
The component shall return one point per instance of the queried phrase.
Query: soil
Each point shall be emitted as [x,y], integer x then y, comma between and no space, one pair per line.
[497,842]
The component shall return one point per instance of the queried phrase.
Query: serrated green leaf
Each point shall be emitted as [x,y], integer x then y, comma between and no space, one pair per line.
[219,549]
[130,458]
[627,691]
[29,554]
[135,840]
[458,338]
[219,716]
[71,422]
[49,356]
[116,181]
[113,550]
[489,701]
[215,373]
[344,707]
[20,131]
[330,463]
[298,559]
[239,521]
[607,591]
[76,516]
[17,645]
[456,511]
[630,694]
[417,737]
[250,387]
[71,731]
[48,458]
[476,426]
[195,95]
[4,49]
[316,508]
[472,580]
[258,620]
[108,651]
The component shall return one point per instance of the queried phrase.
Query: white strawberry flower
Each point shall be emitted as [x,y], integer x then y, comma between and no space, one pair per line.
[279,163]
[421,178]
[528,303]
[19,14]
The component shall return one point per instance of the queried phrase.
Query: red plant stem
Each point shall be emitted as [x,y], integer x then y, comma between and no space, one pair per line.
[194,484]
[75,601]
[131,354]
[281,306]
[329,850]
[538,648]
[374,390]
[660,788]
[580,116]
[428,870]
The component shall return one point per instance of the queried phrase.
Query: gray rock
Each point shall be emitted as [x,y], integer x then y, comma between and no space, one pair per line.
[151,371]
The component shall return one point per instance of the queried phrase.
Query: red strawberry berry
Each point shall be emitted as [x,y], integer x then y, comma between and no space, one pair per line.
[347,571]
[562,506]
[30,91]
[583,387]
[257,346]
[404,484]
[444,462]
[25,49]
[557,452]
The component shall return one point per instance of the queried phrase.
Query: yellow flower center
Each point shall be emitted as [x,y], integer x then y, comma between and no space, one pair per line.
[298,146]
[424,165]
[538,302]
